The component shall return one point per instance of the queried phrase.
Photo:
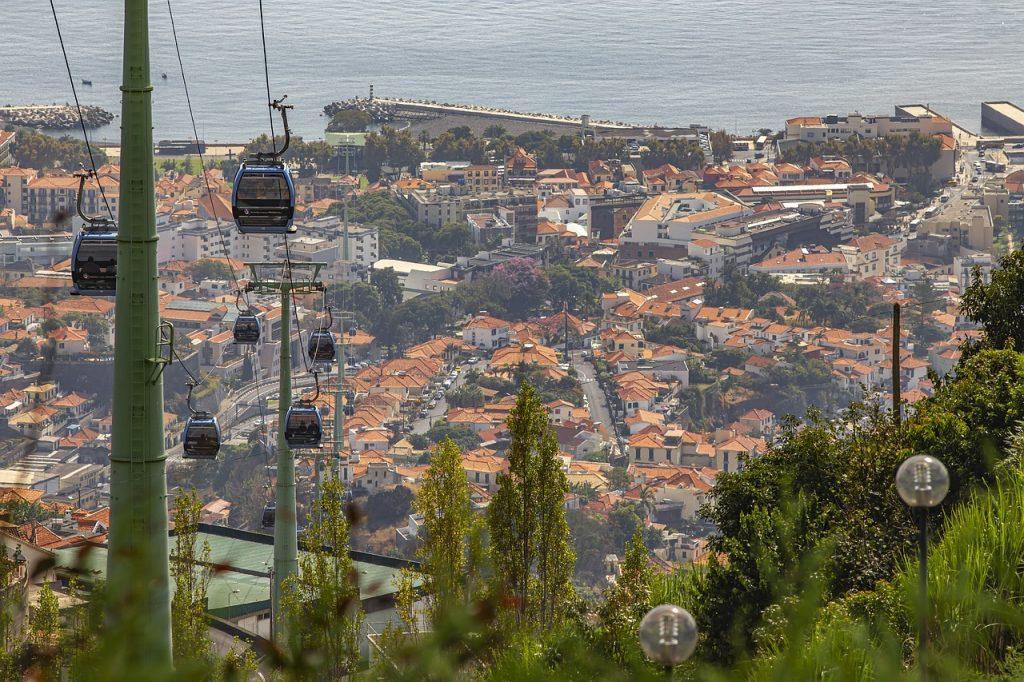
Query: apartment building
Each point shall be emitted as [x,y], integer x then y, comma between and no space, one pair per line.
[51,196]
[670,219]
[873,255]
[6,138]
[824,128]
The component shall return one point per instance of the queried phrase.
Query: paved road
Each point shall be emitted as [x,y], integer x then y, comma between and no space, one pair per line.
[420,426]
[596,401]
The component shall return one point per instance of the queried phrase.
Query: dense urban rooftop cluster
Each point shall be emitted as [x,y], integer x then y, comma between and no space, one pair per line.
[669,313]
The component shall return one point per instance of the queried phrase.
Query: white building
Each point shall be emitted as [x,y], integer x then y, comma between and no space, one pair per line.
[418,278]
[670,219]
[486,332]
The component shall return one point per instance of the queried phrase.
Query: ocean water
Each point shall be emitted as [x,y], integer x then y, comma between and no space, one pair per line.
[738,64]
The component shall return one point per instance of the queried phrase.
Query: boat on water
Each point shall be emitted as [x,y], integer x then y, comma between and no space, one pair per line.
[86,82]
[164,76]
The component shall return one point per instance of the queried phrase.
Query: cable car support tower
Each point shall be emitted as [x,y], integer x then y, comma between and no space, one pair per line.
[286,543]
[137,566]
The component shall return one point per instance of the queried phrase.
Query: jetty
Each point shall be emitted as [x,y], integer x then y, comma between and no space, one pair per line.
[436,117]
[54,116]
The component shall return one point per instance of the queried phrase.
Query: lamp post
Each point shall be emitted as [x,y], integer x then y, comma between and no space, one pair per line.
[668,635]
[922,482]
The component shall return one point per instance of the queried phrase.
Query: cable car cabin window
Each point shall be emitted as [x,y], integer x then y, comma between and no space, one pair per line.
[262,190]
[94,268]
[269,512]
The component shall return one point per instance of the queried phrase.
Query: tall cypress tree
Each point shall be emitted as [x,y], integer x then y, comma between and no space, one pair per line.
[628,599]
[443,500]
[526,517]
[191,574]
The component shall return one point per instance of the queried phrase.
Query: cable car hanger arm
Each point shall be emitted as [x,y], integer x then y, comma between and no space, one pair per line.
[276,154]
[93,221]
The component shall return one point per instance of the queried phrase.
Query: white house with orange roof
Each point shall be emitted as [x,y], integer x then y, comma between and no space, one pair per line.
[485,331]
[812,260]
[872,255]
[709,252]
[732,454]
[757,422]
[483,470]
[713,326]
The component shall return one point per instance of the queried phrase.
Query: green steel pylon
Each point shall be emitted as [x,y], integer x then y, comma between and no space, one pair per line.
[137,569]
[286,539]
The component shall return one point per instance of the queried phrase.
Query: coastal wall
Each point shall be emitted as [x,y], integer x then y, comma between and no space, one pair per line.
[54,116]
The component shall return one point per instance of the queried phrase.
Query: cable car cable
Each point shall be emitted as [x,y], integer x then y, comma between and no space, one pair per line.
[202,159]
[266,77]
[78,107]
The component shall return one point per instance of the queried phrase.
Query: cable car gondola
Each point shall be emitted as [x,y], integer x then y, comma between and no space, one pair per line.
[247,329]
[269,514]
[321,347]
[94,254]
[303,426]
[202,433]
[247,326]
[263,199]
[202,436]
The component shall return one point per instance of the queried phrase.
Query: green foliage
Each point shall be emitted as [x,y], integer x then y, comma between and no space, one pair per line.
[349,121]
[388,287]
[628,600]
[208,268]
[721,146]
[388,507]
[469,395]
[321,604]
[359,298]
[450,568]
[680,153]
[394,148]
[914,154]
[836,304]
[36,150]
[456,145]
[464,437]
[529,534]
[191,574]
[44,621]
[595,537]
[996,305]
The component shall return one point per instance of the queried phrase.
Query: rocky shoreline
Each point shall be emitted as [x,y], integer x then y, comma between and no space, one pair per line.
[54,116]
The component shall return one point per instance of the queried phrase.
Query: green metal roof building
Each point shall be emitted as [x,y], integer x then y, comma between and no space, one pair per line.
[240,593]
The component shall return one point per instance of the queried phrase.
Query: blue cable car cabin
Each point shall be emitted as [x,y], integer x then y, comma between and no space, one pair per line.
[202,437]
[303,426]
[94,264]
[263,200]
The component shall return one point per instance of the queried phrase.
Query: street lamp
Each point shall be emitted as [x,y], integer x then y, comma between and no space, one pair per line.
[668,635]
[922,482]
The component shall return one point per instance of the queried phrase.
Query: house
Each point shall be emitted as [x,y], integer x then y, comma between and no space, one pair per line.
[873,255]
[757,422]
[486,332]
